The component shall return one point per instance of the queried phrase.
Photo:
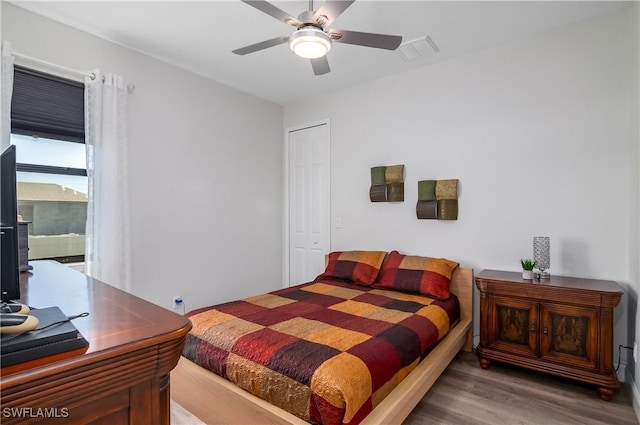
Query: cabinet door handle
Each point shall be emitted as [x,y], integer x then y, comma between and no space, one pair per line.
[532,328]
[545,331]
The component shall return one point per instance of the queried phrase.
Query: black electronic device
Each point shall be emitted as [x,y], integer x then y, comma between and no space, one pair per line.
[54,334]
[9,267]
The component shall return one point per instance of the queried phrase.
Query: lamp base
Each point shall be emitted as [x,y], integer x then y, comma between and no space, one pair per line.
[541,275]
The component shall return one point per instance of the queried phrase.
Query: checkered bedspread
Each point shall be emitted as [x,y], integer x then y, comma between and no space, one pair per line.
[328,352]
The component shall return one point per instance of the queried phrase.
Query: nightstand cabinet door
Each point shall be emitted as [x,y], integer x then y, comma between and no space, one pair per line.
[513,325]
[570,335]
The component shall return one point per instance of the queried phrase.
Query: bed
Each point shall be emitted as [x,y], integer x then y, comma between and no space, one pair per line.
[306,317]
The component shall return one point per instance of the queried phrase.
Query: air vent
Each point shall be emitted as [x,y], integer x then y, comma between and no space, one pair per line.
[417,48]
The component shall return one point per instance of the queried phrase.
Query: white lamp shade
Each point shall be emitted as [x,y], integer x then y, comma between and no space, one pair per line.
[310,43]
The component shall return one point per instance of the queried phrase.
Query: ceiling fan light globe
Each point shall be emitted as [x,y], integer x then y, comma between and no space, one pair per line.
[310,49]
[310,43]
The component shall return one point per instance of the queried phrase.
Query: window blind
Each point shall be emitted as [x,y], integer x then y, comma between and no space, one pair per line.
[47,106]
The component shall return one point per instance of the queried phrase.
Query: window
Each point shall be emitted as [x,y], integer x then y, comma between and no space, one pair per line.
[47,126]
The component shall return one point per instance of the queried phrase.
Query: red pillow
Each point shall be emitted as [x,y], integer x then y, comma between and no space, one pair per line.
[361,267]
[422,275]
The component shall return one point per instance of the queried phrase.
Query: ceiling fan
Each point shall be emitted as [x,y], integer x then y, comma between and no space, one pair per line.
[310,40]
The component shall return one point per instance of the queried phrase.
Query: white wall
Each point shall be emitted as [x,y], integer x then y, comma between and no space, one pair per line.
[537,132]
[206,169]
[634,250]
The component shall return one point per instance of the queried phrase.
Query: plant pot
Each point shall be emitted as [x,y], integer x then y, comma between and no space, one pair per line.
[527,274]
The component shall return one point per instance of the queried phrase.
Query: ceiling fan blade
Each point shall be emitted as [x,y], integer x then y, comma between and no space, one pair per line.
[320,65]
[379,41]
[330,10]
[262,45]
[271,10]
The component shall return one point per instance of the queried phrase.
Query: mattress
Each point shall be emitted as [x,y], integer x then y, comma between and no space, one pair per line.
[325,351]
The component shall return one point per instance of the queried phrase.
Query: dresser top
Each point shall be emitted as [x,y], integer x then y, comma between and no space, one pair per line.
[553,281]
[118,322]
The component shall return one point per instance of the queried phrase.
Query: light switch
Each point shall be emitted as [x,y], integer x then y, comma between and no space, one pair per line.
[338,222]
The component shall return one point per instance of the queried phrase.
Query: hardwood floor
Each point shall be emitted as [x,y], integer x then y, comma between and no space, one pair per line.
[503,395]
[181,416]
[466,394]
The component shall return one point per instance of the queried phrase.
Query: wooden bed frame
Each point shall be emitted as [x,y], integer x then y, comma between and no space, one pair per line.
[215,400]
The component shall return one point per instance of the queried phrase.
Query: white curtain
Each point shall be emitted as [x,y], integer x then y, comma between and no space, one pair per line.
[5,93]
[107,256]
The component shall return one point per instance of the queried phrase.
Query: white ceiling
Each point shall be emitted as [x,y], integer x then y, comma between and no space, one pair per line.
[200,35]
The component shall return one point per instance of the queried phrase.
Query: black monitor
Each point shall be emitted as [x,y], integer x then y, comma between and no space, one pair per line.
[9,267]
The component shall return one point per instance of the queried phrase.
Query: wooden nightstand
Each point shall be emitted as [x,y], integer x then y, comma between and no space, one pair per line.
[562,326]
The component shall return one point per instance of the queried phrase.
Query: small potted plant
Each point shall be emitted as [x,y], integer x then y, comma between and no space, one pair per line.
[527,268]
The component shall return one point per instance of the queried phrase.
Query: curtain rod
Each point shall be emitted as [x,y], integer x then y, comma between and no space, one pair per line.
[54,65]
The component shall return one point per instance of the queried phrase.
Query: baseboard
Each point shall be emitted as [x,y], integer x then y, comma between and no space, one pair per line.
[622,374]
[635,395]
[636,400]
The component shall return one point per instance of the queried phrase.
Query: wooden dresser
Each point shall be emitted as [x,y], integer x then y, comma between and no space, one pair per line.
[562,326]
[123,376]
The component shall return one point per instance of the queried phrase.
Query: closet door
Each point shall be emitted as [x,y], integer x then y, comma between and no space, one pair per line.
[309,198]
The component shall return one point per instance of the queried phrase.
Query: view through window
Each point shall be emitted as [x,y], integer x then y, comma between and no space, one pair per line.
[52,195]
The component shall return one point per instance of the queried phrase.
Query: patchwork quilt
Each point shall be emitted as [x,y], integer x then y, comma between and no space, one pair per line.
[325,351]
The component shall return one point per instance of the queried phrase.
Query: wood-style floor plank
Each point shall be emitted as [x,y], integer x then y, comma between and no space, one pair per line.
[465,394]
[503,395]
[181,416]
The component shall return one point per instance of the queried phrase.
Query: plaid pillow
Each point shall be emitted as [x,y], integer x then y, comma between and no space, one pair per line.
[423,275]
[361,267]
